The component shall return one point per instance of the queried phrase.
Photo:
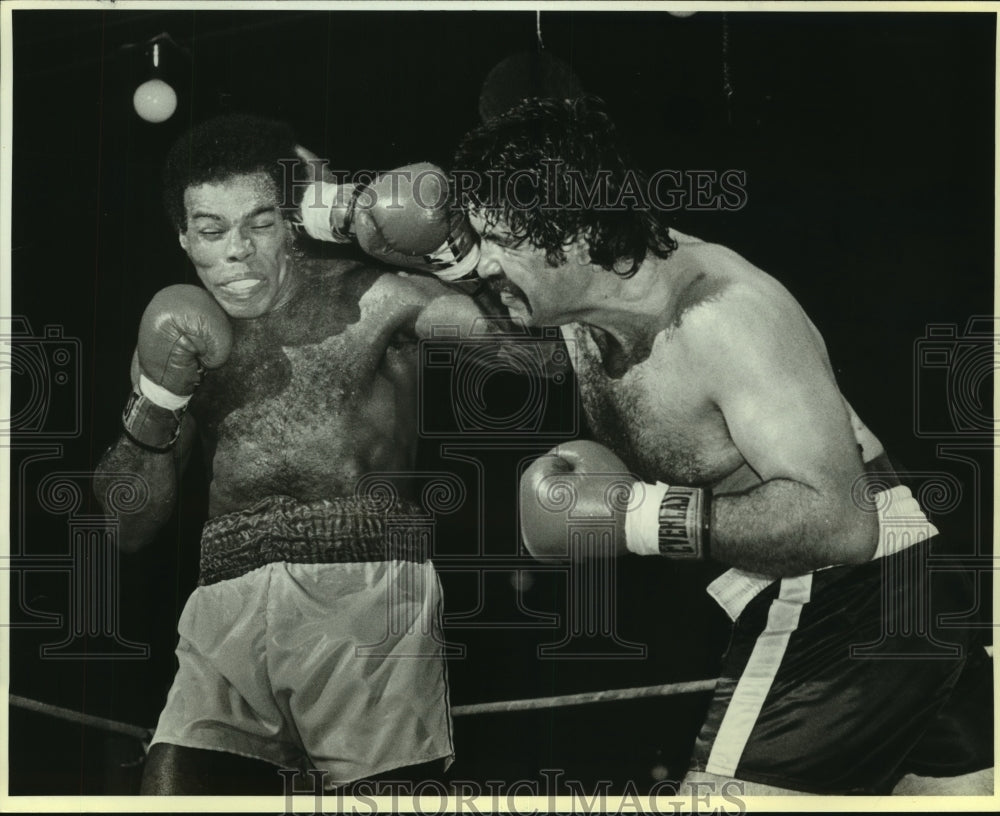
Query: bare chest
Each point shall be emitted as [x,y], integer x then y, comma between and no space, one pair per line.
[270,391]
[305,404]
[655,416]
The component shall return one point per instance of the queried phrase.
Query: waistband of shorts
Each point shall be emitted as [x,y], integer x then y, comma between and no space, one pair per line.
[882,471]
[328,531]
[902,524]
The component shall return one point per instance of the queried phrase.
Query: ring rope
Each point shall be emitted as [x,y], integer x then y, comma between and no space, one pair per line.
[140,733]
[530,704]
[585,698]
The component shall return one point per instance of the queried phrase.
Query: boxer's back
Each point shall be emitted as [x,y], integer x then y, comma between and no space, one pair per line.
[315,394]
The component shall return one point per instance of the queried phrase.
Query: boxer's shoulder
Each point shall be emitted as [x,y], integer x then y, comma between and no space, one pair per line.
[749,320]
[340,278]
[331,295]
[720,288]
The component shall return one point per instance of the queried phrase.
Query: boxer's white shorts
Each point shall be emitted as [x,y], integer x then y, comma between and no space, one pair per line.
[331,666]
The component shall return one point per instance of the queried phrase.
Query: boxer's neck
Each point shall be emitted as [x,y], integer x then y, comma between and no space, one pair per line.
[634,310]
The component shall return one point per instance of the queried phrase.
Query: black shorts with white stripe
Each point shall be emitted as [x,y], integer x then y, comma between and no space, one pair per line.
[843,680]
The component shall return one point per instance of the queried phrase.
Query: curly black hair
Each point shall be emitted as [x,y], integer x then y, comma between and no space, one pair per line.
[223,147]
[552,171]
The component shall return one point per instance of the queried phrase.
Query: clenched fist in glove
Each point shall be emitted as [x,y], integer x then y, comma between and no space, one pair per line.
[404,218]
[580,482]
[182,332]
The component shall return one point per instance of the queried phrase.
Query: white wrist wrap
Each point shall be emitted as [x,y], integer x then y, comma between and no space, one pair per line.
[449,266]
[158,395]
[642,518]
[316,209]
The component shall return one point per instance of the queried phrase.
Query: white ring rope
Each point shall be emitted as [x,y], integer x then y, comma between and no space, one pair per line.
[500,706]
[140,733]
[584,698]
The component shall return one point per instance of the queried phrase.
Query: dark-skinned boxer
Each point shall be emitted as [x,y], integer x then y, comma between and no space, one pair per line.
[312,640]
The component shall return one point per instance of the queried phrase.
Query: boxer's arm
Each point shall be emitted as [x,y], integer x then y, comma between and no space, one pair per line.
[431,308]
[786,416]
[439,312]
[451,311]
[183,331]
[516,350]
[158,471]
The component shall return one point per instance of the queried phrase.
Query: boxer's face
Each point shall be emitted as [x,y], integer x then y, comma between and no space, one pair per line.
[530,288]
[239,243]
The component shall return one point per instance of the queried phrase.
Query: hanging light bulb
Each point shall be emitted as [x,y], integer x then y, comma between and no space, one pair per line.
[154,100]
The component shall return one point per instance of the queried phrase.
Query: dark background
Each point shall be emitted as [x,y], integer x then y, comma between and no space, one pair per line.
[867,140]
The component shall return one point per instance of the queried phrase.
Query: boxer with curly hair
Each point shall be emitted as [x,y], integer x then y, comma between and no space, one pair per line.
[721,433]
[313,640]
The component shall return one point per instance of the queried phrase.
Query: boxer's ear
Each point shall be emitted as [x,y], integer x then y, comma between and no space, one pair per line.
[578,251]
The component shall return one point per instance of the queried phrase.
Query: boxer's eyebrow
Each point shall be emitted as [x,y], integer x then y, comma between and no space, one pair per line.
[263,210]
[500,239]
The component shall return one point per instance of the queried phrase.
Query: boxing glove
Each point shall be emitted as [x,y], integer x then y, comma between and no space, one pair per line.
[586,482]
[404,218]
[578,482]
[182,332]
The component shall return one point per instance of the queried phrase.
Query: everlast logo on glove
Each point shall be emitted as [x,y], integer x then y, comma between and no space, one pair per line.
[681,531]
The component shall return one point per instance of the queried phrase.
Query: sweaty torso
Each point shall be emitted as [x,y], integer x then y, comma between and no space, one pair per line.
[657,420]
[315,394]
[651,405]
